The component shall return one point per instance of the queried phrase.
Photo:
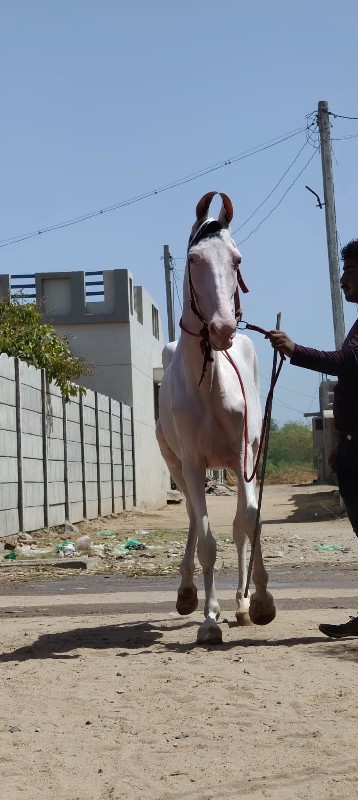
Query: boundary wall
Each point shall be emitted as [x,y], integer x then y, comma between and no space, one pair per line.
[60,461]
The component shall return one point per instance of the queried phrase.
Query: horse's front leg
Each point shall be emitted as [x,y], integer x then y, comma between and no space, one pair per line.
[187,600]
[194,476]
[240,537]
[262,607]
[259,608]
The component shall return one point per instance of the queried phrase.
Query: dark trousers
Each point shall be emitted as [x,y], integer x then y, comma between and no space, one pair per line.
[347,475]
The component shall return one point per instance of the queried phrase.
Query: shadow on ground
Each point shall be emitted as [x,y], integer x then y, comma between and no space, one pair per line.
[140,638]
[310,507]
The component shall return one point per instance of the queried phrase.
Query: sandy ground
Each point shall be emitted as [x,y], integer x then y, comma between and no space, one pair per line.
[105,695]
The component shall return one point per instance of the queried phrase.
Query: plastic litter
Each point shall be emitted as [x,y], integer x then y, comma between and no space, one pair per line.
[10,555]
[83,543]
[66,548]
[106,533]
[334,547]
[141,533]
[134,544]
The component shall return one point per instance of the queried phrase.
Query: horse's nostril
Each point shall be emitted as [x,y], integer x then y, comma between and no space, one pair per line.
[224,328]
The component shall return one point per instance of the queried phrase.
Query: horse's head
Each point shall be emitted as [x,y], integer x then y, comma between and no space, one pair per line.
[213,272]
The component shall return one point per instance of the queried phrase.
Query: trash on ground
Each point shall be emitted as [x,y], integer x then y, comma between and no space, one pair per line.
[134,544]
[105,532]
[173,496]
[33,550]
[217,488]
[83,543]
[335,547]
[279,554]
[66,548]
[25,538]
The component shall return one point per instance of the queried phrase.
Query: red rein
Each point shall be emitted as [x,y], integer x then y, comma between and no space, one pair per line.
[267,407]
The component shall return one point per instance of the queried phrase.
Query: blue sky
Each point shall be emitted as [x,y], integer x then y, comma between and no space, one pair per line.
[104,101]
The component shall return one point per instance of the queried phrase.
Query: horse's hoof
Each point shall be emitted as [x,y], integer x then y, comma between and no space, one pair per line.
[187,601]
[209,633]
[259,618]
[243,618]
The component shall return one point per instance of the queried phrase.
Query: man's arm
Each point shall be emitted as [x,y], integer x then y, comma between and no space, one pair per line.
[335,362]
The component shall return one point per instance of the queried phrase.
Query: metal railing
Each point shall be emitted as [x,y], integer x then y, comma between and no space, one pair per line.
[23,291]
[23,287]
[97,282]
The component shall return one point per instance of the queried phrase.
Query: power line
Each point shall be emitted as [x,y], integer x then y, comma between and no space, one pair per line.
[175,279]
[340,116]
[286,389]
[281,198]
[145,195]
[183,258]
[272,190]
[285,405]
[340,138]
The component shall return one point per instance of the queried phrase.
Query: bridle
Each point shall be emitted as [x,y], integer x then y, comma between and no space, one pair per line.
[207,230]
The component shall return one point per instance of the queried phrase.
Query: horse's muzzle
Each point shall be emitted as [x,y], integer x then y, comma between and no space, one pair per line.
[222,335]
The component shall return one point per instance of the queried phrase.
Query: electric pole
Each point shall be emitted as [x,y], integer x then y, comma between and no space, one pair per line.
[331,229]
[169,290]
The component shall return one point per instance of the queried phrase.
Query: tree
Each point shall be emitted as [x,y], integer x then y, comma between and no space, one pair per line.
[291,444]
[25,336]
[274,426]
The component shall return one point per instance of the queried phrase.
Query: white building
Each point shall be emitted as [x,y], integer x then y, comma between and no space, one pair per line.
[117,328]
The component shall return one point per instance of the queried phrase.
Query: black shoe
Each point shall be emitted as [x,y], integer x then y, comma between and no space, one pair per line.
[341,631]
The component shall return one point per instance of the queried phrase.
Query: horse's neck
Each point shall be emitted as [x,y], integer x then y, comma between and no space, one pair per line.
[191,351]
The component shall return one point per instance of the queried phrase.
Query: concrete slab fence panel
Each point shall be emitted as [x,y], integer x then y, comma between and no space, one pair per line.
[60,460]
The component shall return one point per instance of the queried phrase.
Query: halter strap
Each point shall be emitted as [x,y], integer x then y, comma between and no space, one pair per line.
[208,229]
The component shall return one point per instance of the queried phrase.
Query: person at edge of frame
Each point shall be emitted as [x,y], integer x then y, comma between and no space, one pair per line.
[342,363]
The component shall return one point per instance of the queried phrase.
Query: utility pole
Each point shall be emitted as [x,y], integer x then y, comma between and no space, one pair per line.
[331,229]
[169,290]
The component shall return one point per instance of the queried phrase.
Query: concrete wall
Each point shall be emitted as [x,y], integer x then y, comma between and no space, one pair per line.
[60,461]
[146,352]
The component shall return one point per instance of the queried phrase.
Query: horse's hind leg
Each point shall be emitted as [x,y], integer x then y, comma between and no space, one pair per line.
[259,608]
[187,600]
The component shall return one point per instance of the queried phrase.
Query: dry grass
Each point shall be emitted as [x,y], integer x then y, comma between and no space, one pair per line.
[283,475]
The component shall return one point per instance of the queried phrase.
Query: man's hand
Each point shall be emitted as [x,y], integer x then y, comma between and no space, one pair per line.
[281,342]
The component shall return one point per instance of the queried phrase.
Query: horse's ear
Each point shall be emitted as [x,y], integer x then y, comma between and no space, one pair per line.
[203,206]
[226,211]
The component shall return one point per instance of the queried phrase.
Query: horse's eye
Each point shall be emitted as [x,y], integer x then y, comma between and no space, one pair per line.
[191,259]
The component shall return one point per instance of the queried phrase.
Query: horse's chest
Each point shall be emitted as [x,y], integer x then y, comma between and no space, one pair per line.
[213,430]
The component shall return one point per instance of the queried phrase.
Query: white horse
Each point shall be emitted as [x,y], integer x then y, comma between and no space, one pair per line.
[201,416]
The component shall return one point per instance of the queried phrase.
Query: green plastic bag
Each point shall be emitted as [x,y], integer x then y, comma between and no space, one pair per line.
[333,547]
[134,544]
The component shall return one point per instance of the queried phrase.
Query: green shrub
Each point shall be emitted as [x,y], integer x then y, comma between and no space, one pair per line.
[24,336]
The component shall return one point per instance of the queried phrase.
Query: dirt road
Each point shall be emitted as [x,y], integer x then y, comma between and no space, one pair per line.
[105,695]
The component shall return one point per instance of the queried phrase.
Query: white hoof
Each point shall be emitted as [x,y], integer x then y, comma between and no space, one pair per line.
[242,618]
[209,632]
